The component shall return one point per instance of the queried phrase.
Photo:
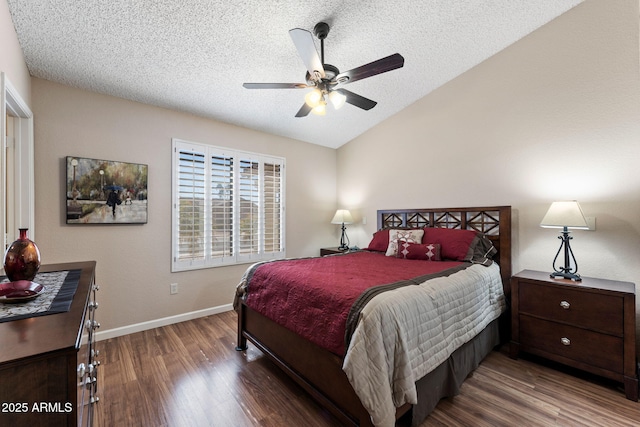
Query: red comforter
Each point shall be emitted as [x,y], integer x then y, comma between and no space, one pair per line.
[313,296]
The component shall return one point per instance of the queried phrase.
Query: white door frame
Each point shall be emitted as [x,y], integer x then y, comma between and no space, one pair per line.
[17,187]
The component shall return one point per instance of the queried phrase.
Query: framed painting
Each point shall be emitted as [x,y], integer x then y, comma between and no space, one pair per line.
[106,192]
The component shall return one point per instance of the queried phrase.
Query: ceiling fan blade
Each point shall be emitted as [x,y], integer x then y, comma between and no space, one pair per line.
[275,85]
[380,66]
[304,111]
[307,51]
[357,100]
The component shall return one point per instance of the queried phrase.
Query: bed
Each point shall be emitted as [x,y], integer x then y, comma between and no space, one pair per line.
[417,369]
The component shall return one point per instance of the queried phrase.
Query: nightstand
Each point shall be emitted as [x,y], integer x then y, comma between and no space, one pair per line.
[331,251]
[589,325]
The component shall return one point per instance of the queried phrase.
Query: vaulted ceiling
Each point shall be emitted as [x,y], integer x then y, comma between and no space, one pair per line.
[194,55]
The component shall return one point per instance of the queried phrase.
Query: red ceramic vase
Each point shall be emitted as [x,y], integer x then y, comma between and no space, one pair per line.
[22,259]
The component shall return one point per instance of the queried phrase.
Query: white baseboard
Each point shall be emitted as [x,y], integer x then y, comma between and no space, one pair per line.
[139,327]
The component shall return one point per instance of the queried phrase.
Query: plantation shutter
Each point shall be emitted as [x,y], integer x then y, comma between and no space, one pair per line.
[222,194]
[249,188]
[272,207]
[228,206]
[191,206]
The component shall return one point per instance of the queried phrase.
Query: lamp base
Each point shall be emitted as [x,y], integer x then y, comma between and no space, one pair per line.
[566,272]
[571,276]
[344,246]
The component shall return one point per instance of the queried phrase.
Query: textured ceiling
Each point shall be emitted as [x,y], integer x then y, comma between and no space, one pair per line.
[194,55]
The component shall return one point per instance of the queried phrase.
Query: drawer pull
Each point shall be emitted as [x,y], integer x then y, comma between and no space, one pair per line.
[90,382]
[565,305]
[565,341]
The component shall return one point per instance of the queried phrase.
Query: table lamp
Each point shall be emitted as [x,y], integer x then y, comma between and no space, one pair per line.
[565,215]
[343,216]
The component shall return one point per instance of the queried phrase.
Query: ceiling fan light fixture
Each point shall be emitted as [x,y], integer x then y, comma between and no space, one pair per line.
[323,78]
[320,109]
[313,98]
[337,99]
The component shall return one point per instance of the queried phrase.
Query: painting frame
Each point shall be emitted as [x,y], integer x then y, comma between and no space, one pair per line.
[105,191]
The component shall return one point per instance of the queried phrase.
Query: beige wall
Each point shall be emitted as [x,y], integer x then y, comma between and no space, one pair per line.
[11,58]
[555,116]
[134,260]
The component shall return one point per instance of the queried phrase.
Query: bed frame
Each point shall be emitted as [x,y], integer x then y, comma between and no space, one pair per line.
[318,371]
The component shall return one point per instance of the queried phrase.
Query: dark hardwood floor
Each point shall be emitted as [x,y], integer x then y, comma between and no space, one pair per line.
[189,374]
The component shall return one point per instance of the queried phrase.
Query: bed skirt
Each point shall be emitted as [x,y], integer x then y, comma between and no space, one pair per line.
[446,379]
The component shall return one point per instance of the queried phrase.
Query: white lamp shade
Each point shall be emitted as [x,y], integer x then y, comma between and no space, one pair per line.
[320,109]
[313,98]
[342,216]
[337,99]
[565,214]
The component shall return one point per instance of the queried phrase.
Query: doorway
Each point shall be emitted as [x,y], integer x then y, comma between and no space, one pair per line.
[16,164]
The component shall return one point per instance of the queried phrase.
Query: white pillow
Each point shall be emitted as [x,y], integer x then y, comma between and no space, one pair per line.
[411,236]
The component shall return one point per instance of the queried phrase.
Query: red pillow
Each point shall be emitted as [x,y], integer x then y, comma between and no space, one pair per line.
[380,241]
[424,251]
[454,244]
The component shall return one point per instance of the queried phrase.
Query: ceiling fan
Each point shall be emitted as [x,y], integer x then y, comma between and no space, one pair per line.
[326,79]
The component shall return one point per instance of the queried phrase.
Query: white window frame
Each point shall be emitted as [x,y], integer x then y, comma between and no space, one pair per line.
[235,257]
[17,176]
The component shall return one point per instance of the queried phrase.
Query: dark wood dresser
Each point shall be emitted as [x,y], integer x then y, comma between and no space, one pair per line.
[48,366]
[589,325]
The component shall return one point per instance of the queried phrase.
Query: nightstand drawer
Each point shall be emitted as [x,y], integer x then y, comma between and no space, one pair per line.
[603,313]
[592,348]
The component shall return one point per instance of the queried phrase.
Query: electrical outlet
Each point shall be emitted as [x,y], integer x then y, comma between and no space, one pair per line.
[173,288]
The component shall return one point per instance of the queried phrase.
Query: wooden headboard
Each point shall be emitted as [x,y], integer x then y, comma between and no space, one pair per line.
[494,222]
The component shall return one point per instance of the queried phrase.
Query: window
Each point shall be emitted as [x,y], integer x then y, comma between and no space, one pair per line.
[228,206]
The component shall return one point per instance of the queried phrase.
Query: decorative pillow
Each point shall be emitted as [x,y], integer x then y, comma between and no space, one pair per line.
[423,251]
[380,241]
[454,243]
[411,236]
[482,250]
[461,245]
